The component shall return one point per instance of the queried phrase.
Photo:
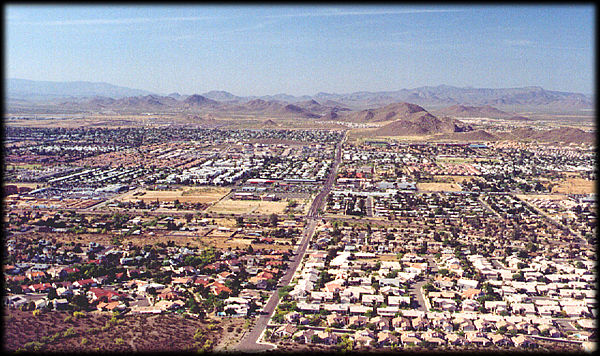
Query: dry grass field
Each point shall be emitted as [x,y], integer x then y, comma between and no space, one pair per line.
[230,206]
[205,195]
[575,186]
[438,187]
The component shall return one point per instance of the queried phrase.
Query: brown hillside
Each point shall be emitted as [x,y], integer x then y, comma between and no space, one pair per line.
[479,111]
[561,134]
[397,111]
[421,124]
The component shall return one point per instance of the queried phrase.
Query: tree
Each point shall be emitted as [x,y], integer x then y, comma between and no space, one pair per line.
[80,301]
[239,221]
[273,219]
[52,293]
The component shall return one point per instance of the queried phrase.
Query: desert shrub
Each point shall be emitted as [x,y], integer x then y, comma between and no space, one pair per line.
[69,332]
[83,341]
[34,345]
[119,341]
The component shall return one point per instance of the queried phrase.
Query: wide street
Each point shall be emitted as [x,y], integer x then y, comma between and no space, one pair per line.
[249,341]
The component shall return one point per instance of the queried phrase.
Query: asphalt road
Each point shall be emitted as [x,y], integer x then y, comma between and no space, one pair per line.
[249,341]
[415,289]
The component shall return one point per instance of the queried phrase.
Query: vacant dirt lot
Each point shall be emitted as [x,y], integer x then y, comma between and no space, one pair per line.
[438,187]
[50,332]
[230,206]
[575,186]
[542,196]
[453,179]
[205,195]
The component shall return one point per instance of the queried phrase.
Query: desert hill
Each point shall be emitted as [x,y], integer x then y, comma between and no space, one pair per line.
[396,111]
[199,101]
[479,111]
[561,134]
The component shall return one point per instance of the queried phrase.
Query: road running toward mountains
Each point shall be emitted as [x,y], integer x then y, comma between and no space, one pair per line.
[249,341]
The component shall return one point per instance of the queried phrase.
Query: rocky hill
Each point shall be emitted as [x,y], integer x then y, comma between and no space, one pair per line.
[405,119]
[396,111]
[486,111]
[561,134]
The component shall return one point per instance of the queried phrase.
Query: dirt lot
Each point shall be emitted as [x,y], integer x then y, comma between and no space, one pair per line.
[230,206]
[453,179]
[205,195]
[575,186]
[542,196]
[438,187]
[49,332]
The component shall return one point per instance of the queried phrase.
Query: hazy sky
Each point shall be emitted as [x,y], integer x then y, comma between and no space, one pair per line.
[260,50]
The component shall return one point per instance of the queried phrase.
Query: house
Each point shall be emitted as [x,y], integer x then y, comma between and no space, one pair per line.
[15,301]
[33,275]
[304,336]
[217,288]
[357,320]
[398,300]
[359,309]
[336,319]
[482,324]
[60,304]
[434,338]
[110,306]
[85,283]
[381,323]
[170,304]
[420,323]
[286,330]
[456,340]
[372,299]
[410,338]
[501,340]
[523,341]
[471,293]
[465,284]
[292,317]
[401,323]
[477,338]
[506,325]
[496,306]
[470,305]
[365,337]
[103,294]
[40,287]
[464,324]
[327,337]
[386,338]
[41,303]
[307,307]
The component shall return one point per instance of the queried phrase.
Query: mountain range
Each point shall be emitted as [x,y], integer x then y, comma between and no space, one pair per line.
[20,91]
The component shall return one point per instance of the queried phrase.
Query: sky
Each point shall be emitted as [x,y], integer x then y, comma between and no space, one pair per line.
[303,50]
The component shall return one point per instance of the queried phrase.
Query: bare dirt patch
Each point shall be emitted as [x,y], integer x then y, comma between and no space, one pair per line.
[575,186]
[204,195]
[439,187]
[452,179]
[230,206]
